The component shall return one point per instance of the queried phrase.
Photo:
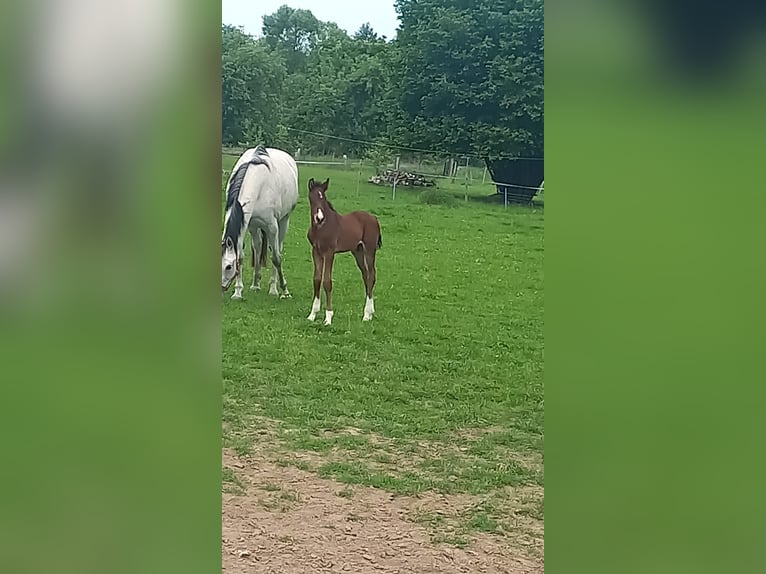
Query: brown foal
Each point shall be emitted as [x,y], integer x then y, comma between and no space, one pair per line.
[331,233]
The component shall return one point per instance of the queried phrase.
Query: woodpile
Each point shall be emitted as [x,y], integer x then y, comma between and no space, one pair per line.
[404,178]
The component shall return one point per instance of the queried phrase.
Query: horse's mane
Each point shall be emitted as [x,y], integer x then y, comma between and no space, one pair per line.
[233,206]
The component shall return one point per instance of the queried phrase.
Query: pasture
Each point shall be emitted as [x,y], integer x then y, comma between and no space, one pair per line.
[439,397]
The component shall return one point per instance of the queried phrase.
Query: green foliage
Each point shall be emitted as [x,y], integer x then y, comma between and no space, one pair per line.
[251,81]
[292,34]
[472,74]
[459,77]
[378,157]
[366,33]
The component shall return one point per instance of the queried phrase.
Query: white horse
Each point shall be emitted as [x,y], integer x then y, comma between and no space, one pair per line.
[261,195]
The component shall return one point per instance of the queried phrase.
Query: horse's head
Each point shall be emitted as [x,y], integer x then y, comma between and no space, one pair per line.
[320,207]
[229,263]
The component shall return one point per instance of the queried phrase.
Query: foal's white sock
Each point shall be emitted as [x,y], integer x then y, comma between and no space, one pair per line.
[369,309]
[314,309]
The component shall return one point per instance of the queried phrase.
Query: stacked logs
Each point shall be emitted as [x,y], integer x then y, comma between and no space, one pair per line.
[402,178]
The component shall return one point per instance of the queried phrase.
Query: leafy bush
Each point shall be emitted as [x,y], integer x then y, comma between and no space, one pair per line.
[435,197]
[379,157]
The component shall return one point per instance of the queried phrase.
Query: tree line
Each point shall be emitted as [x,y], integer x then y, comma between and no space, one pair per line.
[462,76]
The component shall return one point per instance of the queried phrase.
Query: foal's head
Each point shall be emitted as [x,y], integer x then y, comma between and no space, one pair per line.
[320,207]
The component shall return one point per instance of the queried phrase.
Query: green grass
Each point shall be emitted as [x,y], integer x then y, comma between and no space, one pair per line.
[231,482]
[433,196]
[443,390]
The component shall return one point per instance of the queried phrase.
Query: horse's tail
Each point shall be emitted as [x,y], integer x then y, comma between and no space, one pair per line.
[380,240]
[264,248]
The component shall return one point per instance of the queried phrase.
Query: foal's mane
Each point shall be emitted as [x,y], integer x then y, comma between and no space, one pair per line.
[236,215]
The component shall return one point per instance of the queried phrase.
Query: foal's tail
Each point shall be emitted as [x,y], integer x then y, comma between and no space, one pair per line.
[380,240]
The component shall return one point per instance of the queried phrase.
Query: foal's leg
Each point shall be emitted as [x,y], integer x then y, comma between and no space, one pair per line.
[369,283]
[362,262]
[327,282]
[318,271]
[257,243]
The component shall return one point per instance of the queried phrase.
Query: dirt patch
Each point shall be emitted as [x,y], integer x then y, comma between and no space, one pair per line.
[287,520]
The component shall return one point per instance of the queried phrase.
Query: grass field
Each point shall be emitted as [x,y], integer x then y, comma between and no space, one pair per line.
[442,391]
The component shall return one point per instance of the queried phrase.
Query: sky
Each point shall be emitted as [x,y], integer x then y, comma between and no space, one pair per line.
[348,14]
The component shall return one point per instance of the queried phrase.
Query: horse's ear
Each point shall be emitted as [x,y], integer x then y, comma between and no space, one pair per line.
[326,183]
[311,183]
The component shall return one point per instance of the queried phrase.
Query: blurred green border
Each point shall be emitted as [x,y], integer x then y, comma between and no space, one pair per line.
[653,311]
[110,401]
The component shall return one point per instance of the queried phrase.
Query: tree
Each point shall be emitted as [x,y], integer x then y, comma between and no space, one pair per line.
[472,75]
[293,33]
[251,79]
[365,33]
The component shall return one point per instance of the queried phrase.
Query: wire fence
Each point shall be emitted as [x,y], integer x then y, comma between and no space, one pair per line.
[464,176]
[397,147]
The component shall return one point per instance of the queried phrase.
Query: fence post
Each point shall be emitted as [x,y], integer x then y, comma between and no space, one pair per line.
[484,175]
[396,177]
[506,196]
[359,178]
[466,178]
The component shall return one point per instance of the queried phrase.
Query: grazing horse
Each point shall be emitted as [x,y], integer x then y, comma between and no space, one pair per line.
[261,195]
[331,233]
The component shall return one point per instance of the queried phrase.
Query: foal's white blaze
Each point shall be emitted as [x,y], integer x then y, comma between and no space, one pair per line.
[314,309]
[319,215]
[328,317]
[369,309]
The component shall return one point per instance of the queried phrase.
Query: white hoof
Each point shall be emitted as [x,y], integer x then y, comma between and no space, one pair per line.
[328,317]
[237,297]
[255,287]
[273,292]
[285,295]
[369,309]
[315,305]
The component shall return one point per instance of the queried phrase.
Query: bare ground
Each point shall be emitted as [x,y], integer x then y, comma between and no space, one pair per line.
[280,519]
